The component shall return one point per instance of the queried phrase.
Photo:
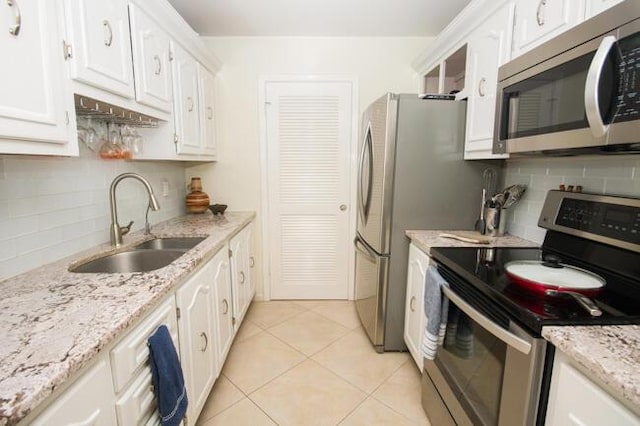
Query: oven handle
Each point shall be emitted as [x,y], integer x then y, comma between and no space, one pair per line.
[591,96]
[509,338]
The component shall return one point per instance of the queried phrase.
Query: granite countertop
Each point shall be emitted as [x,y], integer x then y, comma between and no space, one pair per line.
[53,322]
[425,240]
[609,355]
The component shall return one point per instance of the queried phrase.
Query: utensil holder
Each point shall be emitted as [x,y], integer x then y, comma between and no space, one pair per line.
[495,221]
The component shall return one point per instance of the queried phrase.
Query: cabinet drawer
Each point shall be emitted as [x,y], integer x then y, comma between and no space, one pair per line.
[138,404]
[132,352]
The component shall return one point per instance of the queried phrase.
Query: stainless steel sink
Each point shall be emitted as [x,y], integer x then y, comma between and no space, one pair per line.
[130,261]
[171,243]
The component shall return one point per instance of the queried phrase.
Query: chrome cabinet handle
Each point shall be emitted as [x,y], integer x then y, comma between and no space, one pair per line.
[412,304]
[109,38]
[209,113]
[203,336]
[158,63]
[252,262]
[343,207]
[540,12]
[591,98]
[226,306]
[14,29]
[189,104]
[242,277]
[481,84]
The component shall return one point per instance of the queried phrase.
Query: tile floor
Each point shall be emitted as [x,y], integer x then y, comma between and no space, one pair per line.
[310,363]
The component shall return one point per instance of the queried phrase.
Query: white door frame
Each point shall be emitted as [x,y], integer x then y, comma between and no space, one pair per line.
[353,150]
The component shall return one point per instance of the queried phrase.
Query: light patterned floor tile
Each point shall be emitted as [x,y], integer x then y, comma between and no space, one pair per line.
[341,311]
[374,413]
[353,358]
[402,393]
[257,360]
[223,396]
[247,329]
[243,413]
[308,394]
[268,314]
[308,332]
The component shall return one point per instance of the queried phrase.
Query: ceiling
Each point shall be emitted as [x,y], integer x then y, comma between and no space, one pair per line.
[324,18]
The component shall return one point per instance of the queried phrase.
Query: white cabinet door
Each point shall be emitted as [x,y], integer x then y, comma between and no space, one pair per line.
[240,274]
[208,112]
[185,101]
[596,6]
[150,45]
[88,402]
[98,32]
[35,101]
[488,48]
[574,400]
[196,328]
[414,320]
[540,20]
[223,304]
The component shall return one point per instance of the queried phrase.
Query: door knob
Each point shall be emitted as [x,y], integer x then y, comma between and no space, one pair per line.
[343,207]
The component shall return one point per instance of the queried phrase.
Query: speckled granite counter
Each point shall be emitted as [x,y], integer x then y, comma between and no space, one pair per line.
[610,354]
[53,322]
[425,240]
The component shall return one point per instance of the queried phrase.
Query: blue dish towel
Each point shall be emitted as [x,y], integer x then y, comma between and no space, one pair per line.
[168,381]
[436,307]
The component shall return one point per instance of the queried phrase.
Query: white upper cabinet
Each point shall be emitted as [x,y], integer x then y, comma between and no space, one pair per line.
[36,106]
[150,44]
[488,48]
[98,32]
[208,112]
[540,20]
[186,101]
[596,6]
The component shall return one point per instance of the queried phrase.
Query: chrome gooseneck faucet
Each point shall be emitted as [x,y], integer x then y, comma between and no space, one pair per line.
[116,230]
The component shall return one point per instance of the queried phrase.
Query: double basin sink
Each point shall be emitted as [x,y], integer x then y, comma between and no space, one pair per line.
[146,256]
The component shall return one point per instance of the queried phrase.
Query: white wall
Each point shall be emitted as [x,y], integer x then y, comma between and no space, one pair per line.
[53,207]
[614,175]
[380,64]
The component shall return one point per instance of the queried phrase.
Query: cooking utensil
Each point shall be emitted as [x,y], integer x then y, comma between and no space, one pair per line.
[540,276]
[583,300]
[498,200]
[465,239]
[481,225]
[513,195]
[489,180]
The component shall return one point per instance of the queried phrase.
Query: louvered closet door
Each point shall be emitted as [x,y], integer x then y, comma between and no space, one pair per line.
[308,146]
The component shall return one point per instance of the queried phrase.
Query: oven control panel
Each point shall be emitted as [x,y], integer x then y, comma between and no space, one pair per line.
[608,219]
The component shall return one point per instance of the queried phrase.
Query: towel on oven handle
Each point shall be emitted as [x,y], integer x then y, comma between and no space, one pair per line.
[436,307]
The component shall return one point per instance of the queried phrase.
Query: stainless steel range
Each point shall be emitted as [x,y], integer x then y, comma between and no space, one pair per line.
[495,369]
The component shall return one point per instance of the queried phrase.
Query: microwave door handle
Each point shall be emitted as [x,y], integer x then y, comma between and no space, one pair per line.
[507,337]
[591,105]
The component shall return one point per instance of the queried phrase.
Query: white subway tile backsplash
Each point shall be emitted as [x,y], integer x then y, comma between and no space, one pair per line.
[51,208]
[616,175]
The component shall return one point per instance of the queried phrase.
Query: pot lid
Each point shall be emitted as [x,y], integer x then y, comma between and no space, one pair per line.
[564,276]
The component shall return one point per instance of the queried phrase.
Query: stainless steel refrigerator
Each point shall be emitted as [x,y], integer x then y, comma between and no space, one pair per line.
[411,175]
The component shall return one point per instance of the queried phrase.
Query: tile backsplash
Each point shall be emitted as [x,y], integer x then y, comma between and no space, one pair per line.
[613,175]
[54,207]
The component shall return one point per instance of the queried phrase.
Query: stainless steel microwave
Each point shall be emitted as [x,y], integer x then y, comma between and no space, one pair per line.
[577,93]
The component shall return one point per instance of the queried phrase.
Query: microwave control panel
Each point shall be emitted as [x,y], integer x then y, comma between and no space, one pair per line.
[628,106]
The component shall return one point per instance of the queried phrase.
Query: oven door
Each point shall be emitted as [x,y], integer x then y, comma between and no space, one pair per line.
[488,371]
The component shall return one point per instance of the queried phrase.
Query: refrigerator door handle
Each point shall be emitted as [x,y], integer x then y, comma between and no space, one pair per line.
[364,200]
[364,249]
[369,146]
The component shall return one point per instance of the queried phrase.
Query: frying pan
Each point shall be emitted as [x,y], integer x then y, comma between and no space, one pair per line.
[540,276]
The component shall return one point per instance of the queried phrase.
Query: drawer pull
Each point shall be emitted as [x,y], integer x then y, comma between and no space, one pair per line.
[252,262]
[189,104]
[158,63]
[209,113]
[226,307]
[109,37]
[242,278]
[481,84]
[14,29]
[412,304]
[540,12]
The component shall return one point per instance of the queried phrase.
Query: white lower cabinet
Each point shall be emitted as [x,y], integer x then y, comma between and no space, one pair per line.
[242,285]
[88,402]
[414,319]
[223,300]
[574,400]
[197,330]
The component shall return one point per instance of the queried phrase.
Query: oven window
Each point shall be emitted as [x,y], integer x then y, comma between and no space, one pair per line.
[553,100]
[472,361]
